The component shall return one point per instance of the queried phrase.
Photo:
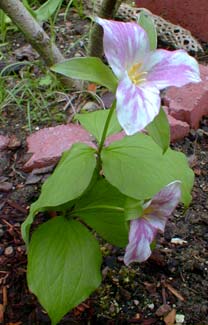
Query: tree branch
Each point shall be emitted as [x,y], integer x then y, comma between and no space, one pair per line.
[107,11]
[34,33]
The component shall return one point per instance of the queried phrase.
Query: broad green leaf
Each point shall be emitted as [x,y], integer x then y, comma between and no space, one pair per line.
[63,265]
[94,122]
[159,130]
[69,180]
[103,210]
[177,168]
[47,9]
[146,22]
[137,167]
[88,68]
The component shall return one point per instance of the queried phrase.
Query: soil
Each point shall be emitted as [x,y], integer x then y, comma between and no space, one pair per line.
[173,280]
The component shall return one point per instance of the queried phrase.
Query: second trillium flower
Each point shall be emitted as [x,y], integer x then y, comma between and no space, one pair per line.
[142,73]
[154,218]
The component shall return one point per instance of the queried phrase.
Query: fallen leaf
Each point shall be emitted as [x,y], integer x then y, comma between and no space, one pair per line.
[197,171]
[163,310]
[92,87]
[107,99]
[26,52]
[170,318]
[174,292]
[14,142]
[1,313]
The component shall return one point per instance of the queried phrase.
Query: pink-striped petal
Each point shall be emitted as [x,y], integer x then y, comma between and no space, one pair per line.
[136,106]
[171,68]
[124,44]
[141,235]
[162,205]
[143,230]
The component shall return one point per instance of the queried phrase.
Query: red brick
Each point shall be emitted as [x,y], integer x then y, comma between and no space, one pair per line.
[190,14]
[48,144]
[178,129]
[189,103]
[115,137]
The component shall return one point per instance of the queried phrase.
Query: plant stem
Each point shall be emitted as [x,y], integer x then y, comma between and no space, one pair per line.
[100,147]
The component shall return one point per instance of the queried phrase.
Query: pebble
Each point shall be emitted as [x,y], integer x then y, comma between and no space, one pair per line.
[179,319]
[90,106]
[178,241]
[151,306]
[200,133]
[5,187]
[8,251]
[17,224]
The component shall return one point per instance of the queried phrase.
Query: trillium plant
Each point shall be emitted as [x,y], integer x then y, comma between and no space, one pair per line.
[122,191]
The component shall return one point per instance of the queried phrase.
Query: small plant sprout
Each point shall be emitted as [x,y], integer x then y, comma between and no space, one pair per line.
[123,190]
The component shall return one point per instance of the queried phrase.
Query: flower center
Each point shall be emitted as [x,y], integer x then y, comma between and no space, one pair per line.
[137,77]
[148,210]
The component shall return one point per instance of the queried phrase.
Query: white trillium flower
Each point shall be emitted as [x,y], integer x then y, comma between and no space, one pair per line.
[142,73]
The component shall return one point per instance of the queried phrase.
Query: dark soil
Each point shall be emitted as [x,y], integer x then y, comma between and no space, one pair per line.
[173,280]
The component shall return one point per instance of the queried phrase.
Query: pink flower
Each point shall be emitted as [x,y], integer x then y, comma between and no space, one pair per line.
[142,73]
[155,215]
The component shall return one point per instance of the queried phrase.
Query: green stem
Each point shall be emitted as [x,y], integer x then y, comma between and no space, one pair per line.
[106,126]
[100,147]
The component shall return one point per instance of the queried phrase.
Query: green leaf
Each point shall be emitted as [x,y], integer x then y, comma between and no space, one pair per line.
[47,9]
[177,168]
[159,130]
[63,265]
[103,210]
[88,68]
[146,22]
[137,166]
[94,122]
[133,209]
[69,180]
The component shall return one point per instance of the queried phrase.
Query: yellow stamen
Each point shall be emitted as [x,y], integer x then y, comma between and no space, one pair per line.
[148,210]
[134,68]
[136,76]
